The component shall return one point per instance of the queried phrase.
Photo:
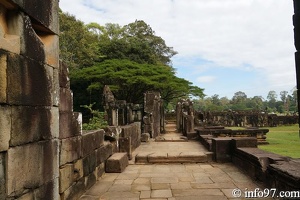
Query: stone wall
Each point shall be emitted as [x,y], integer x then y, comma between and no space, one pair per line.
[29,100]
[43,152]
[243,118]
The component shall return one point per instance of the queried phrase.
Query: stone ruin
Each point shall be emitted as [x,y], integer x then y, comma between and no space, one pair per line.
[243,119]
[185,117]
[153,119]
[44,154]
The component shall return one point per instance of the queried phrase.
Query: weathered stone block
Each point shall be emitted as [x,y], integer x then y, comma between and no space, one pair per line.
[92,140]
[222,149]
[101,170]
[116,163]
[27,196]
[46,13]
[3,78]
[28,82]
[9,39]
[89,163]
[75,191]
[54,124]
[49,190]
[145,137]
[64,80]
[125,146]
[55,88]
[66,177]
[5,127]
[78,169]
[51,47]
[70,124]
[104,152]
[284,175]
[244,142]
[38,163]
[2,176]
[126,131]
[90,180]
[30,124]
[32,46]
[70,150]
[66,100]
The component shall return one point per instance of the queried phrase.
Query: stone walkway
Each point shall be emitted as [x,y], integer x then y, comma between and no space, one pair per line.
[171,181]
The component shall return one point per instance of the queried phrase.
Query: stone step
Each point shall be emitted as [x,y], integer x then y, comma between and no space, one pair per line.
[116,163]
[175,157]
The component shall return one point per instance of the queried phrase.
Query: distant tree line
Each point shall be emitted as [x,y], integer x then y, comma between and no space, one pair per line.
[284,103]
[131,59]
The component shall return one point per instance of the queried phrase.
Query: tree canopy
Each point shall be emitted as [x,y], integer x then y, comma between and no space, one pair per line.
[129,80]
[240,102]
[131,59]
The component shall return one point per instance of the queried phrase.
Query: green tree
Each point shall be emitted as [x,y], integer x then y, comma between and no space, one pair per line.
[239,97]
[128,81]
[78,46]
[135,41]
[272,96]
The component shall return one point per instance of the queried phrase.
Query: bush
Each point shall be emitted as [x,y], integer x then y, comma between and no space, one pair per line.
[97,121]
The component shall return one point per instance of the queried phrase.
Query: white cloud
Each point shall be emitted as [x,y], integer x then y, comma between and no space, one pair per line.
[252,34]
[206,79]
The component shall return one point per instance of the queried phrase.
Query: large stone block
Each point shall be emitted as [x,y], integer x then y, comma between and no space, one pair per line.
[44,12]
[91,141]
[31,44]
[30,124]
[78,169]
[244,142]
[70,150]
[66,100]
[49,190]
[90,180]
[66,177]
[2,176]
[104,152]
[116,163]
[64,80]
[101,170]
[5,127]
[38,163]
[125,146]
[54,124]
[55,88]
[29,82]
[51,47]
[222,149]
[70,124]
[3,78]
[9,37]
[75,191]
[89,163]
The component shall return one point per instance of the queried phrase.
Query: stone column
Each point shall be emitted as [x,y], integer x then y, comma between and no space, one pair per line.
[296,22]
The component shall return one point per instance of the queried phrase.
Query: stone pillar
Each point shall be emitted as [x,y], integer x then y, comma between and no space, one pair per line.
[152,108]
[296,22]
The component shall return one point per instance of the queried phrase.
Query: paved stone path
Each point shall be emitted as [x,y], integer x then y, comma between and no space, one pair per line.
[171,181]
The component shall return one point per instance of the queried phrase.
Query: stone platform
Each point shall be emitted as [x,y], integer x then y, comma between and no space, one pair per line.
[172,182]
[162,179]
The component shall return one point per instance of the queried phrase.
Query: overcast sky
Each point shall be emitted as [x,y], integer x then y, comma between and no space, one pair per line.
[224,46]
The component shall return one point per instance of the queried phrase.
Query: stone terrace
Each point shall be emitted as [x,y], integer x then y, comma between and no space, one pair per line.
[188,180]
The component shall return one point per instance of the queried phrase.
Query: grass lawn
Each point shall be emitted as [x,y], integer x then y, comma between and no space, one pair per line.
[284,140]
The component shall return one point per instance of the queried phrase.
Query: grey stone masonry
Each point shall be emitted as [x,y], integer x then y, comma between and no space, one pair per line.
[117,163]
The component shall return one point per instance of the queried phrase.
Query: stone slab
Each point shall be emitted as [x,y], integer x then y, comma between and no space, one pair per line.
[5,127]
[116,163]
